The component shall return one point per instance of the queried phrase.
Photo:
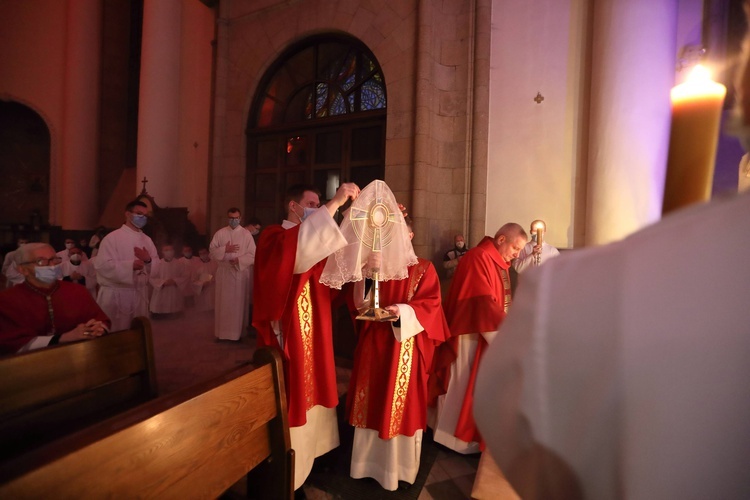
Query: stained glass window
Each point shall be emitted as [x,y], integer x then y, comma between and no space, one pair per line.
[321,79]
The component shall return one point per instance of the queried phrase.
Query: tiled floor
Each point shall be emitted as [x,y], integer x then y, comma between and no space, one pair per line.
[187,353]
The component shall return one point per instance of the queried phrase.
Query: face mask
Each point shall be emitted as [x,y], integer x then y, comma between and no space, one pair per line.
[75,259]
[68,246]
[254,232]
[204,258]
[139,220]
[188,255]
[233,223]
[48,274]
[169,254]
[460,244]
[306,212]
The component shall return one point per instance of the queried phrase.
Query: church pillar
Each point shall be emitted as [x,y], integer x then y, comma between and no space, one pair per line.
[632,71]
[78,182]
[158,109]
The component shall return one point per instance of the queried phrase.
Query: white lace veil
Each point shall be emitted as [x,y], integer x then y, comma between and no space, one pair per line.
[372,224]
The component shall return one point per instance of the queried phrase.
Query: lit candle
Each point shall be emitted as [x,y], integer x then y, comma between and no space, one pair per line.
[696,113]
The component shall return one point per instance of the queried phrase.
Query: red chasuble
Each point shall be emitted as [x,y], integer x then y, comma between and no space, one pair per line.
[388,388]
[477,302]
[303,307]
[26,312]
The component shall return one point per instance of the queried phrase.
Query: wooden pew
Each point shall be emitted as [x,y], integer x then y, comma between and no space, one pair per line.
[195,443]
[51,392]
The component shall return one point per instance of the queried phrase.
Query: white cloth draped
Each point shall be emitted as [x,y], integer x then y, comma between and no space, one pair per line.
[633,368]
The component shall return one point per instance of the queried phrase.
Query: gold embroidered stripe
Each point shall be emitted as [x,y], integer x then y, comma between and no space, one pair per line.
[304,311]
[506,289]
[405,358]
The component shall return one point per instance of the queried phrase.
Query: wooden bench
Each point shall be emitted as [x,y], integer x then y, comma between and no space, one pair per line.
[195,443]
[51,392]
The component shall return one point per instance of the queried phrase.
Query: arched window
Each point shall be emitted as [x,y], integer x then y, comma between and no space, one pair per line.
[318,117]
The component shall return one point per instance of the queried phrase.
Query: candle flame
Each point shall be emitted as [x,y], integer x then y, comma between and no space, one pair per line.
[699,74]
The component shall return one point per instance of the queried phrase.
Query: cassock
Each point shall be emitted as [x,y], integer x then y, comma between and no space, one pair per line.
[292,313]
[232,281]
[25,314]
[387,398]
[477,302]
[204,285]
[165,298]
[627,373]
[123,291]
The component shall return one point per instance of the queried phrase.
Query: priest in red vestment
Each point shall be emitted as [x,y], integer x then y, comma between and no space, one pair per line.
[387,398]
[292,313]
[43,310]
[477,303]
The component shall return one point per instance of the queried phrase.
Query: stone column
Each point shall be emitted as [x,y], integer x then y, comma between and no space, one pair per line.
[80,134]
[158,107]
[632,71]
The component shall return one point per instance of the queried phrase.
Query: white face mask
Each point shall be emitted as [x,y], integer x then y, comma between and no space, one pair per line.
[75,259]
[460,244]
[169,254]
[69,245]
[48,274]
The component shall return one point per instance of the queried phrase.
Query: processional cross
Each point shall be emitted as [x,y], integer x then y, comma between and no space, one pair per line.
[144,181]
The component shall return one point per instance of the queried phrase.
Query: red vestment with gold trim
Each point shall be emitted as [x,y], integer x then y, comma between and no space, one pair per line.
[303,306]
[388,387]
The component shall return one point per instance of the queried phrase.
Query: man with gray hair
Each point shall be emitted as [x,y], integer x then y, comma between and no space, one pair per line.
[477,303]
[43,310]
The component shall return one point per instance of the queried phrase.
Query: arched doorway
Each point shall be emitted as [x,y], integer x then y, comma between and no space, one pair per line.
[24,168]
[318,117]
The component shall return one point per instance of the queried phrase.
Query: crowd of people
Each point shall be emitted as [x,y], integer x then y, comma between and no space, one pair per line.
[127,277]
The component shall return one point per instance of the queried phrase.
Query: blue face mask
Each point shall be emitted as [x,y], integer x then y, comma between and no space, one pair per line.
[48,274]
[139,220]
[306,212]
[233,223]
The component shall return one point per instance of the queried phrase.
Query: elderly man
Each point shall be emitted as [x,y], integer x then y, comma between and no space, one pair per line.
[43,310]
[124,262]
[477,303]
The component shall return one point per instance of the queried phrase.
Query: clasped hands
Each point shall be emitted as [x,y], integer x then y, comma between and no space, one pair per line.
[141,258]
[92,328]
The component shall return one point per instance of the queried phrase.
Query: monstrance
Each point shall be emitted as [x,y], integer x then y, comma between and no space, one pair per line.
[374,223]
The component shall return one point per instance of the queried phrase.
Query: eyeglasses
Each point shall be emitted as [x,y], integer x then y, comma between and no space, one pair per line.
[52,261]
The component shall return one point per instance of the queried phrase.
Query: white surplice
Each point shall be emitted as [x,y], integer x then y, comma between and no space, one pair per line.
[204,285]
[232,281]
[87,272]
[123,291]
[630,361]
[168,298]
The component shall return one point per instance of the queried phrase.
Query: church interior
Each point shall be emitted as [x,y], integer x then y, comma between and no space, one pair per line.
[474,112]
